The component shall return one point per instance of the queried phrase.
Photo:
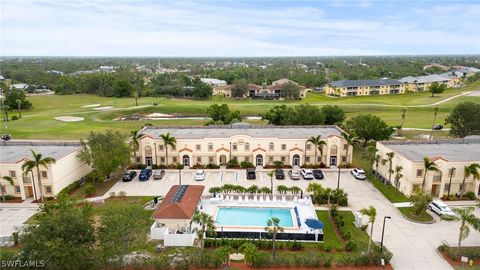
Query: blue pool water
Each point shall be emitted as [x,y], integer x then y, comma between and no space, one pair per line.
[251,216]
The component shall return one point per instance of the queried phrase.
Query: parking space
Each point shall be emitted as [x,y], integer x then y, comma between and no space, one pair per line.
[13,217]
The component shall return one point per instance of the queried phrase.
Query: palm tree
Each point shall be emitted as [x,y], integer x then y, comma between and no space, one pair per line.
[294,190]
[377,161]
[273,227]
[466,216]
[253,189]
[398,176]
[265,190]
[270,173]
[318,144]
[435,113]
[6,108]
[168,140]
[470,170]
[10,181]
[404,113]
[351,140]
[428,165]
[36,163]
[369,154]
[19,107]
[136,96]
[282,189]
[390,156]
[371,213]
[135,145]
[215,190]
[206,223]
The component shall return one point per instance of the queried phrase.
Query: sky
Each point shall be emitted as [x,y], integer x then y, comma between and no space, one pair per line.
[238,28]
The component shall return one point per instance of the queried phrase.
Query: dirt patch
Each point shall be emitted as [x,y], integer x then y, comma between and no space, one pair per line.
[69,118]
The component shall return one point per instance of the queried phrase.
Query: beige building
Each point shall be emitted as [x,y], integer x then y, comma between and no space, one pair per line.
[348,88]
[423,83]
[451,156]
[67,168]
[261,145]
[273,91]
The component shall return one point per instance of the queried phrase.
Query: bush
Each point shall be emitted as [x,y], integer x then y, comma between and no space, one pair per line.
[452,252]
[232,163]
[294,246]
[70,188]
[327,247]
[247,164]
[8,197]
[179,166]
[138,167]
[122,194]
[350,245]
[469,195]
[213,166]
[13,118]
[89,189]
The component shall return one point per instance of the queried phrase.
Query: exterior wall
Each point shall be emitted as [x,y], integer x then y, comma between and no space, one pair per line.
[59,175]
[221,150]
[364,90]
[436,183]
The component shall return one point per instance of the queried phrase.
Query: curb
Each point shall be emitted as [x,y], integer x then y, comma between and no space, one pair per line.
[416,221]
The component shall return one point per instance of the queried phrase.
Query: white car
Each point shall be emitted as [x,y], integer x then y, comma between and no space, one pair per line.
[294,174]
[359,174]
[307,174]
[440,208]
[200,175]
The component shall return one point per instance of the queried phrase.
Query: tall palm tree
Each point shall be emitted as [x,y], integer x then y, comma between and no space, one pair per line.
[19,107]
[435,113]
[377,161]
[398,176]
[369,154]
[470,170]
[351,140]
[371,213]
[206,223]
[429,166]
[318,144]
[404,113]
[295,190]
[270,173]
[466,216]
[134,144]
[168,140]
[10,181]
[390,156]
[282,189]
[6,108]
[37,162]
[273,228]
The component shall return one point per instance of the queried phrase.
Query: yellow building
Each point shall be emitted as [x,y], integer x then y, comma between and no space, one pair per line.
[423,83]
[348,88]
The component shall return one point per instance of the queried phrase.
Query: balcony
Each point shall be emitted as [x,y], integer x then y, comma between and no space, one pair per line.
[27,180]
[437,178]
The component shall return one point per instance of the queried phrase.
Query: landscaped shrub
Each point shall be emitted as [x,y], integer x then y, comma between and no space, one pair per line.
[295,246]
[13,118]
[213,166]
[8,197]
[247,164]
[232,163]
[327,247]
[138,166]
[89,189]
[70,188]
[122,194]
[452,252]
[350,245]
[469,195]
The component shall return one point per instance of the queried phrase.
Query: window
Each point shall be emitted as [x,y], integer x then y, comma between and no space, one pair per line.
[44,174]
[138,159]
[451,172]
[284,147]
[160,147]
[283,159]
[307,159]
[199,159]
[48,189]
[270,159]
[344,158]
[174,159]
[447,187]
[271,146]
[210,147]
[198,147]
[210,160]
[309,146]
[247,146]
[419,173]
[13,174]
[17,189]
[162,159]
[319,159]
[234,147]
[345,146]
[247,159]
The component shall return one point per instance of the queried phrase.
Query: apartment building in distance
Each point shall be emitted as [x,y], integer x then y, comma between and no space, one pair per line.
[350,88]
[451,156]
[274,91]
[67,168]
[261,145]
[423,83]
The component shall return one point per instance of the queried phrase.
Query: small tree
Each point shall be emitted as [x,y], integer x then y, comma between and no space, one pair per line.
[370,127]
[404,113]
[224,254]
[463,119]
[19,107]
[398,176]
[253,189]
[270,174]
[466,217]
[206,223]
[273,228]
[37,162]
[318,143]
[294,190]
[134,143]
[351,141]
[435,113]
[420,200]
[282,189]
[436,88]
[371,213]
[390,156]
[250,252]
[470,170]
[428,166]
[168,141]
[9,180]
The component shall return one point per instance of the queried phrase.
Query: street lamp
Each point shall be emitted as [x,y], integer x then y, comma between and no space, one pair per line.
[383,231]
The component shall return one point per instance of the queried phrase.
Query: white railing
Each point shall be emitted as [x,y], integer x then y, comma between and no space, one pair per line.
[170,237]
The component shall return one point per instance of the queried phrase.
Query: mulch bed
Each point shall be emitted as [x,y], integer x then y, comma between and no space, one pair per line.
[15,200]
[457,263]
[241,265]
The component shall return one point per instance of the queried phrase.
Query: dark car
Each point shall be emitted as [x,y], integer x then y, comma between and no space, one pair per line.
[318,174]
[129,176]
[251,174]
[438,127]
[145,174]
[279,174]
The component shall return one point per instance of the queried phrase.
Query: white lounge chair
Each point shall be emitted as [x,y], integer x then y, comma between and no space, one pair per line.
[283,199]
[240,198]
[255,198]
[267,198]
[295,198]
[261,199]
[274,198]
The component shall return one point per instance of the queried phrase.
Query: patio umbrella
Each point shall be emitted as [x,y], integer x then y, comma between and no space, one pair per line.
[314,223]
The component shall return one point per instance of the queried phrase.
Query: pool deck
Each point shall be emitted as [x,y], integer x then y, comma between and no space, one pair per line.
[304,206]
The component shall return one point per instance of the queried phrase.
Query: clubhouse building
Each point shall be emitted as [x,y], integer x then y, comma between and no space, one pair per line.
[273,91]
[450,156]
[260,145]
[56,176]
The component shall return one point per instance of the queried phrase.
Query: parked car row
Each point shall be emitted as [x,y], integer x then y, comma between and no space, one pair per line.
[144,175]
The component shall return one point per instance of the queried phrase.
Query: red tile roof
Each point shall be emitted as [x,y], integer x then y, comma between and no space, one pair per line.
[184,208]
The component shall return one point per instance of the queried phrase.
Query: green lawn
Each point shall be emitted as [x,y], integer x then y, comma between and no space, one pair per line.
[329,236]
[390,192]
[100,189]
[408,211]
[359,236]
[38,123]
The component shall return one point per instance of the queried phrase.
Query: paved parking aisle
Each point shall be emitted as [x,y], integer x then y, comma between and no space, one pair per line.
[12,217]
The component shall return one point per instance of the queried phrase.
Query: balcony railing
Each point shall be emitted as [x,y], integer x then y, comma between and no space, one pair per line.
[27,180]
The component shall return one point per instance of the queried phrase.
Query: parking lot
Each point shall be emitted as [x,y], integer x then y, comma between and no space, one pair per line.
[13,217]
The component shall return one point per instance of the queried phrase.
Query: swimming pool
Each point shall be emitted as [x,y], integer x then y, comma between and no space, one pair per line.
[252,216]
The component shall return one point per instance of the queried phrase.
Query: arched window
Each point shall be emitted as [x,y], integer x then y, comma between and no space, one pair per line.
[148,151]
[247,146]
[271,146]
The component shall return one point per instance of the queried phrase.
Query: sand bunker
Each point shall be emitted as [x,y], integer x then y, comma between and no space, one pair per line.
[103,108]
[69,118]
[91,106]
[156,115]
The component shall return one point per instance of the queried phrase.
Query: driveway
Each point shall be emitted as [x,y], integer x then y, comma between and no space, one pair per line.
[413,245]
[13,216]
